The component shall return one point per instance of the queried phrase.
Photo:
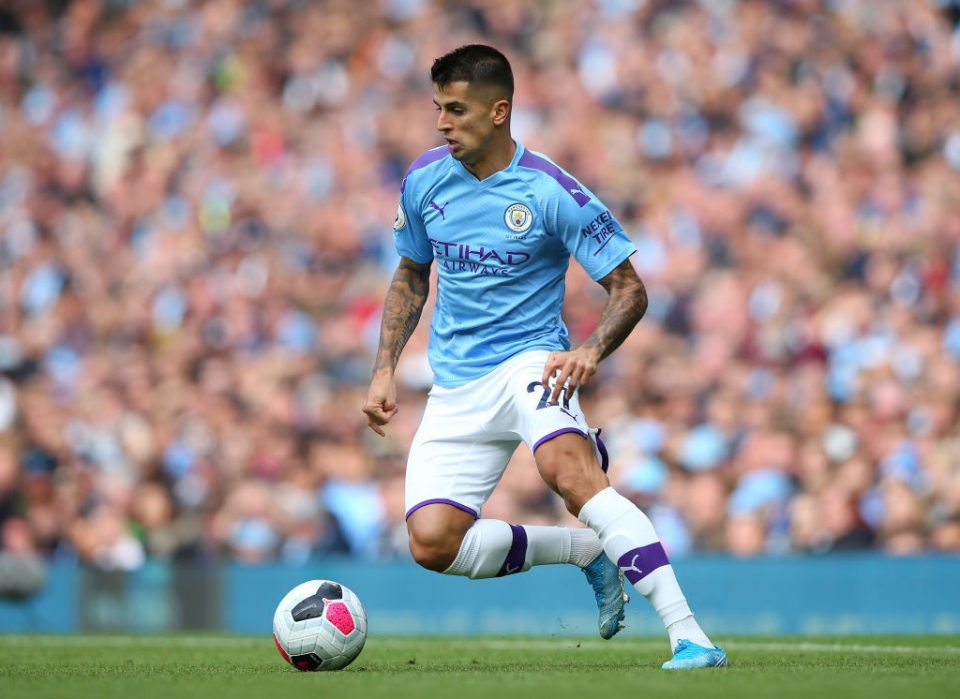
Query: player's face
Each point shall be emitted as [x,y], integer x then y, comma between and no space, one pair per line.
[467,117]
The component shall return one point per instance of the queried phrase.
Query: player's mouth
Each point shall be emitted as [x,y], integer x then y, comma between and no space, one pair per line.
[453,145]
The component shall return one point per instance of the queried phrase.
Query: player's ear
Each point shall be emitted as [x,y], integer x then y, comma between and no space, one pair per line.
[501,112]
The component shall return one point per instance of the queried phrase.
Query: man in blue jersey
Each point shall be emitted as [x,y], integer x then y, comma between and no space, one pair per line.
[501,223]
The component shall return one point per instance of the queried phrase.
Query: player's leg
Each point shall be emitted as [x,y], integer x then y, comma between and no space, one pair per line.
[536,421]
[436,532]
[568,463]
[458,455]
[448,540]
[604,576]
[447,483]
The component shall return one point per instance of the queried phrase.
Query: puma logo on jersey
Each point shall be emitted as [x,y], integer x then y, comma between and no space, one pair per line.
[434,205]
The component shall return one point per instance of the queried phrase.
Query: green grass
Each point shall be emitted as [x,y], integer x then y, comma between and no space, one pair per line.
[242,667]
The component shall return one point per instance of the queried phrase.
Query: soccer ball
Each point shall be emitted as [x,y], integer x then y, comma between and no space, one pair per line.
[320,625]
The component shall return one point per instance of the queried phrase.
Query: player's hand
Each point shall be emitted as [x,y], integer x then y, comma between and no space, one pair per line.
[381,403]
[570,369]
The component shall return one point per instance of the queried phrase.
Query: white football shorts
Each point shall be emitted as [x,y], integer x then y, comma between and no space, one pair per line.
[469,433]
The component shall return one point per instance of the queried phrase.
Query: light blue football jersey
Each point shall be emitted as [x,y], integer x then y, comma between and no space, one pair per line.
[502,247]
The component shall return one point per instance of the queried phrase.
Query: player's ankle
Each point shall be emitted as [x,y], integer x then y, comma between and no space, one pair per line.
[688,628]
[584,547]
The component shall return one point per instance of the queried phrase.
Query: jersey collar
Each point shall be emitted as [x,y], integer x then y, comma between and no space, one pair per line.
[499,174]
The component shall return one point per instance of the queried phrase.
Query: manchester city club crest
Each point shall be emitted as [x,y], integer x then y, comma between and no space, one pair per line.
[518,218]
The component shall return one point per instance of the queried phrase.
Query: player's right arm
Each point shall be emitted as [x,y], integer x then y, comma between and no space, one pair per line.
[401,313]
[401,310]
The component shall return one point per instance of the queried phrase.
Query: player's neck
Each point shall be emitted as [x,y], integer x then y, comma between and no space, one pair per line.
[497,159]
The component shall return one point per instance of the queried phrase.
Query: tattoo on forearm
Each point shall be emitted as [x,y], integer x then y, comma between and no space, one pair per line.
[626,304]
[401,311]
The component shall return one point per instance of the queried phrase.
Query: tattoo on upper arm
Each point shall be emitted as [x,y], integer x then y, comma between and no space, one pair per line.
[626,304]
[401,310]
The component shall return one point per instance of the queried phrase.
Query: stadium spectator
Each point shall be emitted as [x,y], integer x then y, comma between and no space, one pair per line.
[22,569]
[195,200]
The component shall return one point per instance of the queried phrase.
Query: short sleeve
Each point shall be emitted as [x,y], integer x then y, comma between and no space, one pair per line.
[589,231]
[409,234]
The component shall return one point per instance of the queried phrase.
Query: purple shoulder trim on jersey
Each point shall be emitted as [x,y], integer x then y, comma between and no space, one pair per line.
[535,162]
[430,156]
[442,501]
[557,433]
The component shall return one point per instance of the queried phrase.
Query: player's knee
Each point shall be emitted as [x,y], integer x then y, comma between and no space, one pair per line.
[436,532]
[434,550]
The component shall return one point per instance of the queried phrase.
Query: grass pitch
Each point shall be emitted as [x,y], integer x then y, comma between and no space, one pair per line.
[244,667]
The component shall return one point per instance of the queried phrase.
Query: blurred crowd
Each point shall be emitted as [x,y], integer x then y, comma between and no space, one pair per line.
[195,209]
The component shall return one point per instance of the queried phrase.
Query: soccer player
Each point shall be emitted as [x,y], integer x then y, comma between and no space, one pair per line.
[501,223]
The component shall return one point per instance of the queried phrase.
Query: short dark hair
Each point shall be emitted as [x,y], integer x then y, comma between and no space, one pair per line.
[476,64]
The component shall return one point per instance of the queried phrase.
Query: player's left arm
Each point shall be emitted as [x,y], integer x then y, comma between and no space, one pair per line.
[626,304]
[597,240]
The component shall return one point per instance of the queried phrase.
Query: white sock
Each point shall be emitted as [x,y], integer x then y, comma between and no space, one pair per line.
[630,541]
[549,545]
[585,546]
[492,548]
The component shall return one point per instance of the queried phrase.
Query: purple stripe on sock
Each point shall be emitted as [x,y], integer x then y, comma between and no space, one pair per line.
[638,563]
[517,555]
[557,433]
[442,501]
